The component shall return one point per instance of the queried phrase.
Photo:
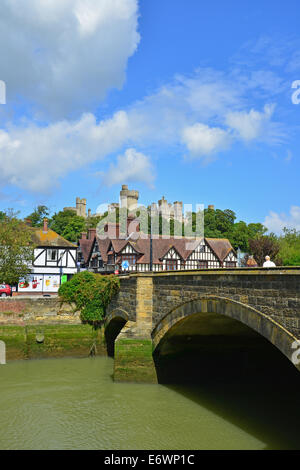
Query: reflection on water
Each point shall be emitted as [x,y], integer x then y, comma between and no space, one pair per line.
[74,404]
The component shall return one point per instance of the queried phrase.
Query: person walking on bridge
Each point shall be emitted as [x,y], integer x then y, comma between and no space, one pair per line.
[268,263]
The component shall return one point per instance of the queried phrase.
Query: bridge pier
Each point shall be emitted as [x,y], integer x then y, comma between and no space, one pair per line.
[133,347]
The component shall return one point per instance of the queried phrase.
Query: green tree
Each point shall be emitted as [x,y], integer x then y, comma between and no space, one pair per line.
[93,221]
[256,230]
[90,294]
[218,223]
[38,215]
[241,233]
[74,228]
[289,244]
[16,249]
[239,236]
[68,224]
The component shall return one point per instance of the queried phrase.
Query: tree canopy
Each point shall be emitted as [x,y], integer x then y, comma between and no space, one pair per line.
[38,215]
[16,249]
[289,243]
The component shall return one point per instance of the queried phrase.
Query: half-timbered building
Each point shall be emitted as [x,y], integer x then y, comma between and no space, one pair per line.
[55,261]
[107,254]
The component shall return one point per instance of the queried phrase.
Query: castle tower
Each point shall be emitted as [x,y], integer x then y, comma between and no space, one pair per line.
[164,208]
[129,198]
[81,207]
[178,208]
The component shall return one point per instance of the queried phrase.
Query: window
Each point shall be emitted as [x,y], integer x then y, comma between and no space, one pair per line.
[52,255]
[202,264]
[110,259]
[94,262]
[171,264]
[230,264]
[130,258]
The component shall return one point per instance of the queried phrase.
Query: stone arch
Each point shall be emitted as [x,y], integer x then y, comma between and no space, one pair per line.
[275,333]
[114,323]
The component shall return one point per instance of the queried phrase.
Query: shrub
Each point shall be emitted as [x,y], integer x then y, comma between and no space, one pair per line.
[90,294]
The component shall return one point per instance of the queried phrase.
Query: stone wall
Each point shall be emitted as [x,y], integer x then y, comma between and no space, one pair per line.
[35,310]
[126,298]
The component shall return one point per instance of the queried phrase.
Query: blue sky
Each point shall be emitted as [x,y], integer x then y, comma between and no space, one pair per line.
[186,99]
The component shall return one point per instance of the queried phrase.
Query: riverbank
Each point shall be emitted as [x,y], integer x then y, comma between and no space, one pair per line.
[37,327]
[47,341]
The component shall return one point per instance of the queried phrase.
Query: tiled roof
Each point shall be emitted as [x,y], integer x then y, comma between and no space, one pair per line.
[220,246]
[85,245]
[49,238]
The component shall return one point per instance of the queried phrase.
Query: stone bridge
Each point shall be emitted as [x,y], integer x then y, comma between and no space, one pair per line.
[156,313]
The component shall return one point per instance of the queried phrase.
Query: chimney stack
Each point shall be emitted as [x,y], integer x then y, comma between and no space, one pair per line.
[83,235]
[45,228]
[92,233]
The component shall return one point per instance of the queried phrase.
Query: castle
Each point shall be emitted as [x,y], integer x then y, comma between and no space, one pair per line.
[80,208]
[129,200]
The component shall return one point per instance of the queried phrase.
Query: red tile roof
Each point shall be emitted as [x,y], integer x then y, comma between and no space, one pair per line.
[85,245]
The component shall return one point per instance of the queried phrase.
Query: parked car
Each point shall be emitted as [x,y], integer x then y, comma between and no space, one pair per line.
[5,290]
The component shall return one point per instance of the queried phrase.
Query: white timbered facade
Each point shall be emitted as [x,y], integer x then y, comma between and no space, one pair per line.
[202,257]
[172,261]
[130,255]
[231,260]
[55,261]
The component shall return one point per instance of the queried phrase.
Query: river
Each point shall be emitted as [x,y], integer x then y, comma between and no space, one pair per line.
[74,404]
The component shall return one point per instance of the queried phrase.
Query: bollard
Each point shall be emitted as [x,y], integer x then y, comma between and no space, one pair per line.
[2,353]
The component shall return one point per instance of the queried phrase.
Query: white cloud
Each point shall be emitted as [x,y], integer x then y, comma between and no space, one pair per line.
[254,125]
[35,158]
[207,96]
[211,98]
[202,140]
[132,166]
[189,113]
[276,222]
[64,55]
